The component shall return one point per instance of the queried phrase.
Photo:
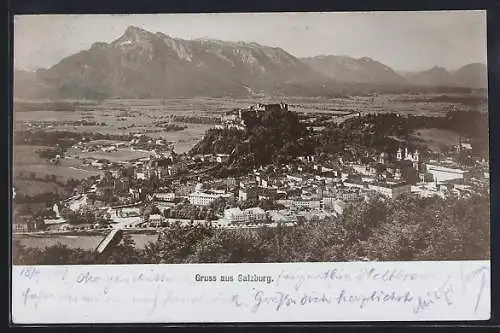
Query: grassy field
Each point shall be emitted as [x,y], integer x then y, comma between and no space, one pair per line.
[26,154]
[62,172]
[34,187]
[115,156]
[434,138]
[26,161]
[134,116]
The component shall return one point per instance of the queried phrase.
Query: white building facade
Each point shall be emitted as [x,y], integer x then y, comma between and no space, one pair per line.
[441,173]
[250,215]
[389,190]
[205,199]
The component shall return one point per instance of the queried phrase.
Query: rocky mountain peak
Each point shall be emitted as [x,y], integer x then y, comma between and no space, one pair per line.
[348,69]
[438,69]
[134,35]
[136,31]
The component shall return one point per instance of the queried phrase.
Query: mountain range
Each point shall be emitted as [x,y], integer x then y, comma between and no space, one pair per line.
[472,75]
[142,64]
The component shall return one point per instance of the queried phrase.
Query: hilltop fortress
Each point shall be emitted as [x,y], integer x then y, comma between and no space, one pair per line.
[234,118]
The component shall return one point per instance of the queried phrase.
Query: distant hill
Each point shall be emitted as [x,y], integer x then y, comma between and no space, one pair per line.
[473,75]
[27,85]
[347,69]
[406,74]
[436,76]
[367,70]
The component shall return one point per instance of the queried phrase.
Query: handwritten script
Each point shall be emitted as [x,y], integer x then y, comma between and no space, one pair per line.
[344,291]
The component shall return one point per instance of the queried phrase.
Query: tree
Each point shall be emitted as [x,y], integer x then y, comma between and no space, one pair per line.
[219,204]
[45,213]
[155,210]
[463,158]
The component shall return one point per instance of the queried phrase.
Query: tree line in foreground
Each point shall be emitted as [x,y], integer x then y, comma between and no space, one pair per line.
[409,228]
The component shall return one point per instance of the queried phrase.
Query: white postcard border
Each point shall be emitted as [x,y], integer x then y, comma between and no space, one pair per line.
[298,292]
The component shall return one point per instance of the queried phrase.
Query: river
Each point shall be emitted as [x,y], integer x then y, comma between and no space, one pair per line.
[85,242]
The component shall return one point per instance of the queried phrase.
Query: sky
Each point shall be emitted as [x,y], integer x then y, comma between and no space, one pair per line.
[406,41]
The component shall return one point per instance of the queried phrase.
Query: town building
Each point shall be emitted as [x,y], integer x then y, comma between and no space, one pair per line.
[295,178]
[308,158]
[247,194]
[250,215]
[392,191]
[300,203]
[443,173]
[352,183]
[282,216]
[307,203]
[156,220]
[328,177]
[248,184]
[26,225]
[221,158]
[205,198]
[165,196]
[122,185]
[232,116]
[339,206]
[350,195]
[20,227]
[327,202]
[231,182]
[105,188]
[365,170]
[172,170]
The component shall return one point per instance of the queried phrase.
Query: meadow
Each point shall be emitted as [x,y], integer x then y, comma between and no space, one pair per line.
[26,154]
[434,138]
[26,162]
[63,172]
[35,187]
[116,156]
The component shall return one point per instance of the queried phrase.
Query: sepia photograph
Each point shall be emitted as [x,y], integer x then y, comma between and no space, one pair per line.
[250,138]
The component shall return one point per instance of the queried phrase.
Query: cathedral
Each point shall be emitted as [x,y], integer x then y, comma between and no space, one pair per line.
[412,157]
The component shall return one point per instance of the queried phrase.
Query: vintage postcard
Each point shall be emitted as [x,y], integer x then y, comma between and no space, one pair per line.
[264,167]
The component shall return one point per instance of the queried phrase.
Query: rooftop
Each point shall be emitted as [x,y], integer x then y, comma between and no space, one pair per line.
[389,185]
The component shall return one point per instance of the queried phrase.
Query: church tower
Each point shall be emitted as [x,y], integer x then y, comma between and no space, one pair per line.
[381,158]
[415,159]
[399,154]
